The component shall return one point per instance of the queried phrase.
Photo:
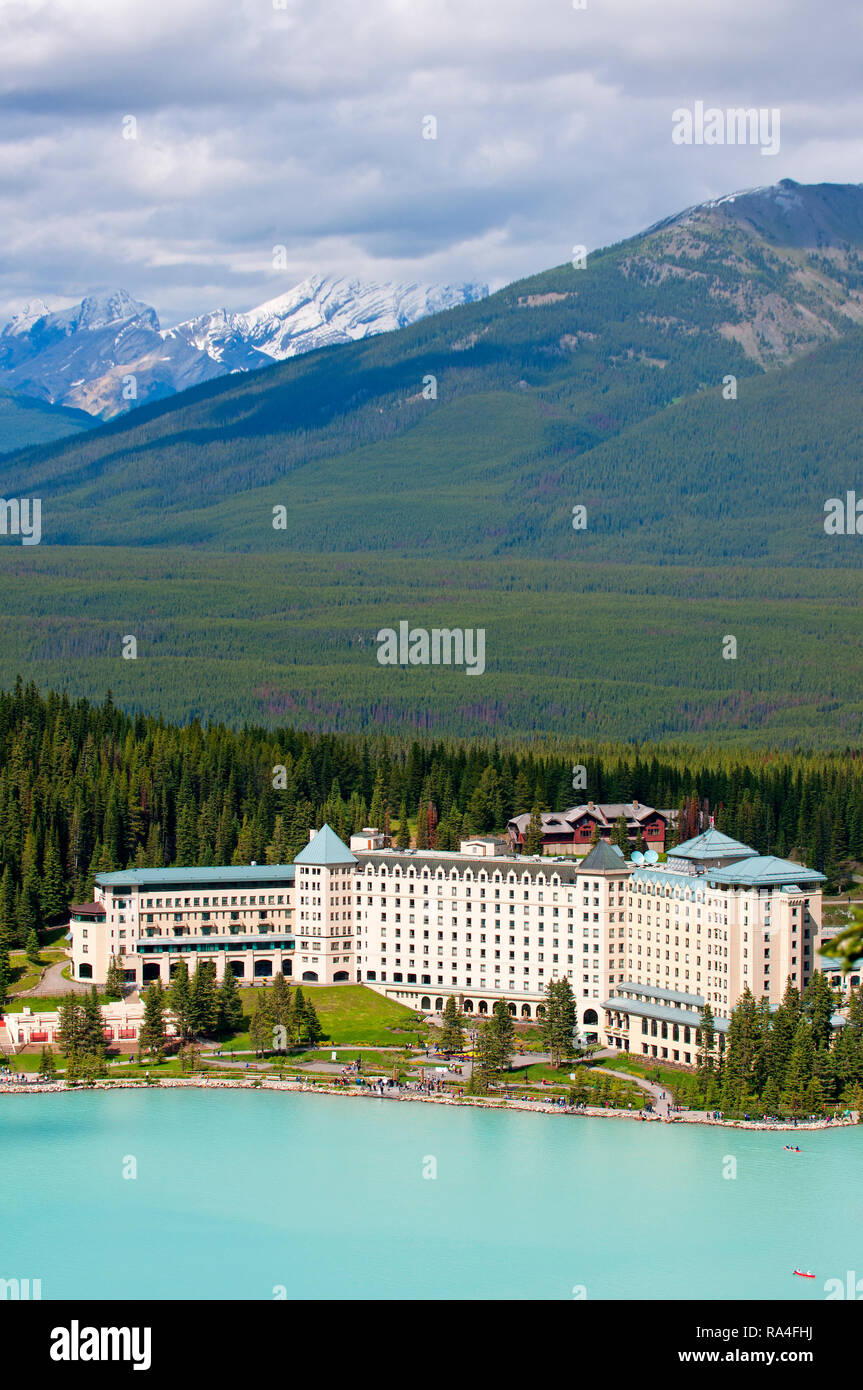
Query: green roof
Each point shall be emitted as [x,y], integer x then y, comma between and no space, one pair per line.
[638,1008]
[225,873]
[711,844]
[766,869]
[325,848]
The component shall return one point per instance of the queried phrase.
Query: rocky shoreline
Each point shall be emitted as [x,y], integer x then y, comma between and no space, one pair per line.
[540,1106]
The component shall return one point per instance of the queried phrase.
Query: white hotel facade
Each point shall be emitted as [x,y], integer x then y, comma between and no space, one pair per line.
[644,947]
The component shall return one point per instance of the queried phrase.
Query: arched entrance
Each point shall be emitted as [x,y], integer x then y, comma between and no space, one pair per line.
[85,971]
[310,974]
[340,975]
[525,1011]
[425,1002]
[482,1007]
[263,969]
[468,1006]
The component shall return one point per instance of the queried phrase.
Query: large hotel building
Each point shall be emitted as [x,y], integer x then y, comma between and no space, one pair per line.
[645,946]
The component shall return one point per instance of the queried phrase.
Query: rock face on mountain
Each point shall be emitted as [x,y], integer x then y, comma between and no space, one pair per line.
[109,353]
[787,260]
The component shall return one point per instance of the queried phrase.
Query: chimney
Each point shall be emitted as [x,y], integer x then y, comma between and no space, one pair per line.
[312,834]
[634,804]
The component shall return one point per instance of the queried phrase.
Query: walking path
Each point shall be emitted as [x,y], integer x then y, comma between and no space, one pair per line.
[53,982]
[662,1098]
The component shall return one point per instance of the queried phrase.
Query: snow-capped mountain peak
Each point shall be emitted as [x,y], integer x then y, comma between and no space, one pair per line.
[85,356]
[320,311]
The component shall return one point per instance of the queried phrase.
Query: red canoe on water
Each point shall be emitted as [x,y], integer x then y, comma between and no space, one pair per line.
[804,1274]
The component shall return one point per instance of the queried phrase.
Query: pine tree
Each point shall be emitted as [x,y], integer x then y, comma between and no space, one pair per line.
[68,1036]
[771,1098]
[114,980]
[203,1000]
[312,1024]
[800,1066]
[620,834]
[151,1038]
[452,1029]
[52,889]
[559,1021]
[485,1065]
[706,1044]
[8,916]
[5,975]
[280,999]
[403,838]
[47,1062]
[92,1034]
[32,951]
[783,1027]
[534,833]
[503,1035]
[423,838]
[230,1004]
[261,1025]
[819,1007]
[180,1001]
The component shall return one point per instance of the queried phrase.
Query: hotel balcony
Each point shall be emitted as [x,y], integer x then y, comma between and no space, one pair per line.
[234,941]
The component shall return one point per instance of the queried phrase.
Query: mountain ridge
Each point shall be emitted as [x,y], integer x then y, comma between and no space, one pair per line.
[109,353]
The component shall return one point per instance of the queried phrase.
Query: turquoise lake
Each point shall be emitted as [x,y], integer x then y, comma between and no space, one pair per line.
[240,1193]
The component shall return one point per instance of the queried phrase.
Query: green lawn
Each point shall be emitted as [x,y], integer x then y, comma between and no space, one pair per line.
[352,1014]
[619,1091]
[43,1004]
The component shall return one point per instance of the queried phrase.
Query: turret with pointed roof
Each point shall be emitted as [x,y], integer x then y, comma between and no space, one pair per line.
[325,847]
[603,856]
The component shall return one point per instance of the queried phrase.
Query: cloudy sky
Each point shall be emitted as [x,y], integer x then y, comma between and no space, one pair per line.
[299,123]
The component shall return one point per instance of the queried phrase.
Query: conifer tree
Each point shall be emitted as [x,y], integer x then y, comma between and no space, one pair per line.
[502,1031]
[706,1043]
[533,835]
[32,951]
[620,834]
[800,1066]
[486,1062]
[180,1001]
[68,1035]
[403,839]
[261,1027]
[312,1024]
[5,975]
[114,980]
[281,1003]
[203,1000]
[151,1038]
[452,1027]
[230,1004]
[92,1026]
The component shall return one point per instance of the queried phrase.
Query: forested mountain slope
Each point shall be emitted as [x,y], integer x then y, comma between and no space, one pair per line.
[476,431]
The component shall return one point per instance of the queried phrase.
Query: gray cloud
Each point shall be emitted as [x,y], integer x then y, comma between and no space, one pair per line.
[302,127]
